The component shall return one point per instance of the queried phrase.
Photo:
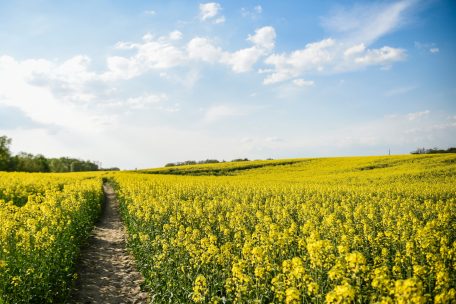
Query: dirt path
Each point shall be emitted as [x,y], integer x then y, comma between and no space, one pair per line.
[106,271]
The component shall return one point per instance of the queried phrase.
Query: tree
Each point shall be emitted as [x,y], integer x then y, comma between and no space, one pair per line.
[5,154]
[27,162]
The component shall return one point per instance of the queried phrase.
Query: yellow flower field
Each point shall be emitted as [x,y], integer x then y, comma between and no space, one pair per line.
[43,220]
[336,230]
[328,230]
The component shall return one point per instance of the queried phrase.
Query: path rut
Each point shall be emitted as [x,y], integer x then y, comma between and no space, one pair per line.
[106,271]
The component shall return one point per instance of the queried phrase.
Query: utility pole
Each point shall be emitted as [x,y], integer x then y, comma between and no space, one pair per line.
[389,151]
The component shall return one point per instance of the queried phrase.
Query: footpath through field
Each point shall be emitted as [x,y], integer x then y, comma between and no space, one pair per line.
[106,271]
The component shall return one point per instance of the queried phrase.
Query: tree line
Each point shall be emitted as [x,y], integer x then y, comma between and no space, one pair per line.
[433,151]
[206,161]
[27,162]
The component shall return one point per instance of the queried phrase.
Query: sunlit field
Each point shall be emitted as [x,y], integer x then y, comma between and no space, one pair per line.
[335,230]
[327,230]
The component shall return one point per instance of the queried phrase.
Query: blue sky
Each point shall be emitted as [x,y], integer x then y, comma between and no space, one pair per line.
[138,84]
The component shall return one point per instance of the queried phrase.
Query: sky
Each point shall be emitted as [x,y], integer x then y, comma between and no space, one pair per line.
[137,84]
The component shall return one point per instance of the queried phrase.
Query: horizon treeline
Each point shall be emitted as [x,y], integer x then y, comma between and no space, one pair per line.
[200,162]
[28,162]
[433,151]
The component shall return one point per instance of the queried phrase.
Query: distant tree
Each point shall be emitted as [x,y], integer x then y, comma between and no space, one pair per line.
[200,162]
[208,161]
[109,169]
[240,159]
[5,154]
[189,162]
[433,150]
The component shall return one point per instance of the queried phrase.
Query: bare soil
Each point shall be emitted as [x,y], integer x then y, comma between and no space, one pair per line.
[106,271]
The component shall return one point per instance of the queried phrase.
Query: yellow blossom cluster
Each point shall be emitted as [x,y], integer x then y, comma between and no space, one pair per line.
[43,220]
[336,230]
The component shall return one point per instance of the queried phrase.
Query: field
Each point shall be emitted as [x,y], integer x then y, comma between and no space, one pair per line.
[326,230]
[336,230]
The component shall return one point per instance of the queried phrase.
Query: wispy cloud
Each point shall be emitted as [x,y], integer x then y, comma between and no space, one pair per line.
[430,47]
[417,115]
[366,23]
[252,13]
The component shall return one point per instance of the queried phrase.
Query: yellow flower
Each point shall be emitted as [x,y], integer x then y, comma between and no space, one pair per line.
[409,291]
[292,296]
[341,294]
[199,289]
[356,262]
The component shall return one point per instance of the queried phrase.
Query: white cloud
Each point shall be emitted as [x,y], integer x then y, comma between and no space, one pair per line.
[210,11]
[175,35]
[243,60]
[383,56]
[70,75]
[152,54]
[328,56]
[159,55]
[313,57]
[200,48]
[417,115]
[303,83]
[353,30]
[37,101]
[434,50]
[264,37]
[324,56]
[121,68]
[365,23]
[220,20]
[162,54]
[354,50]
[240,61]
